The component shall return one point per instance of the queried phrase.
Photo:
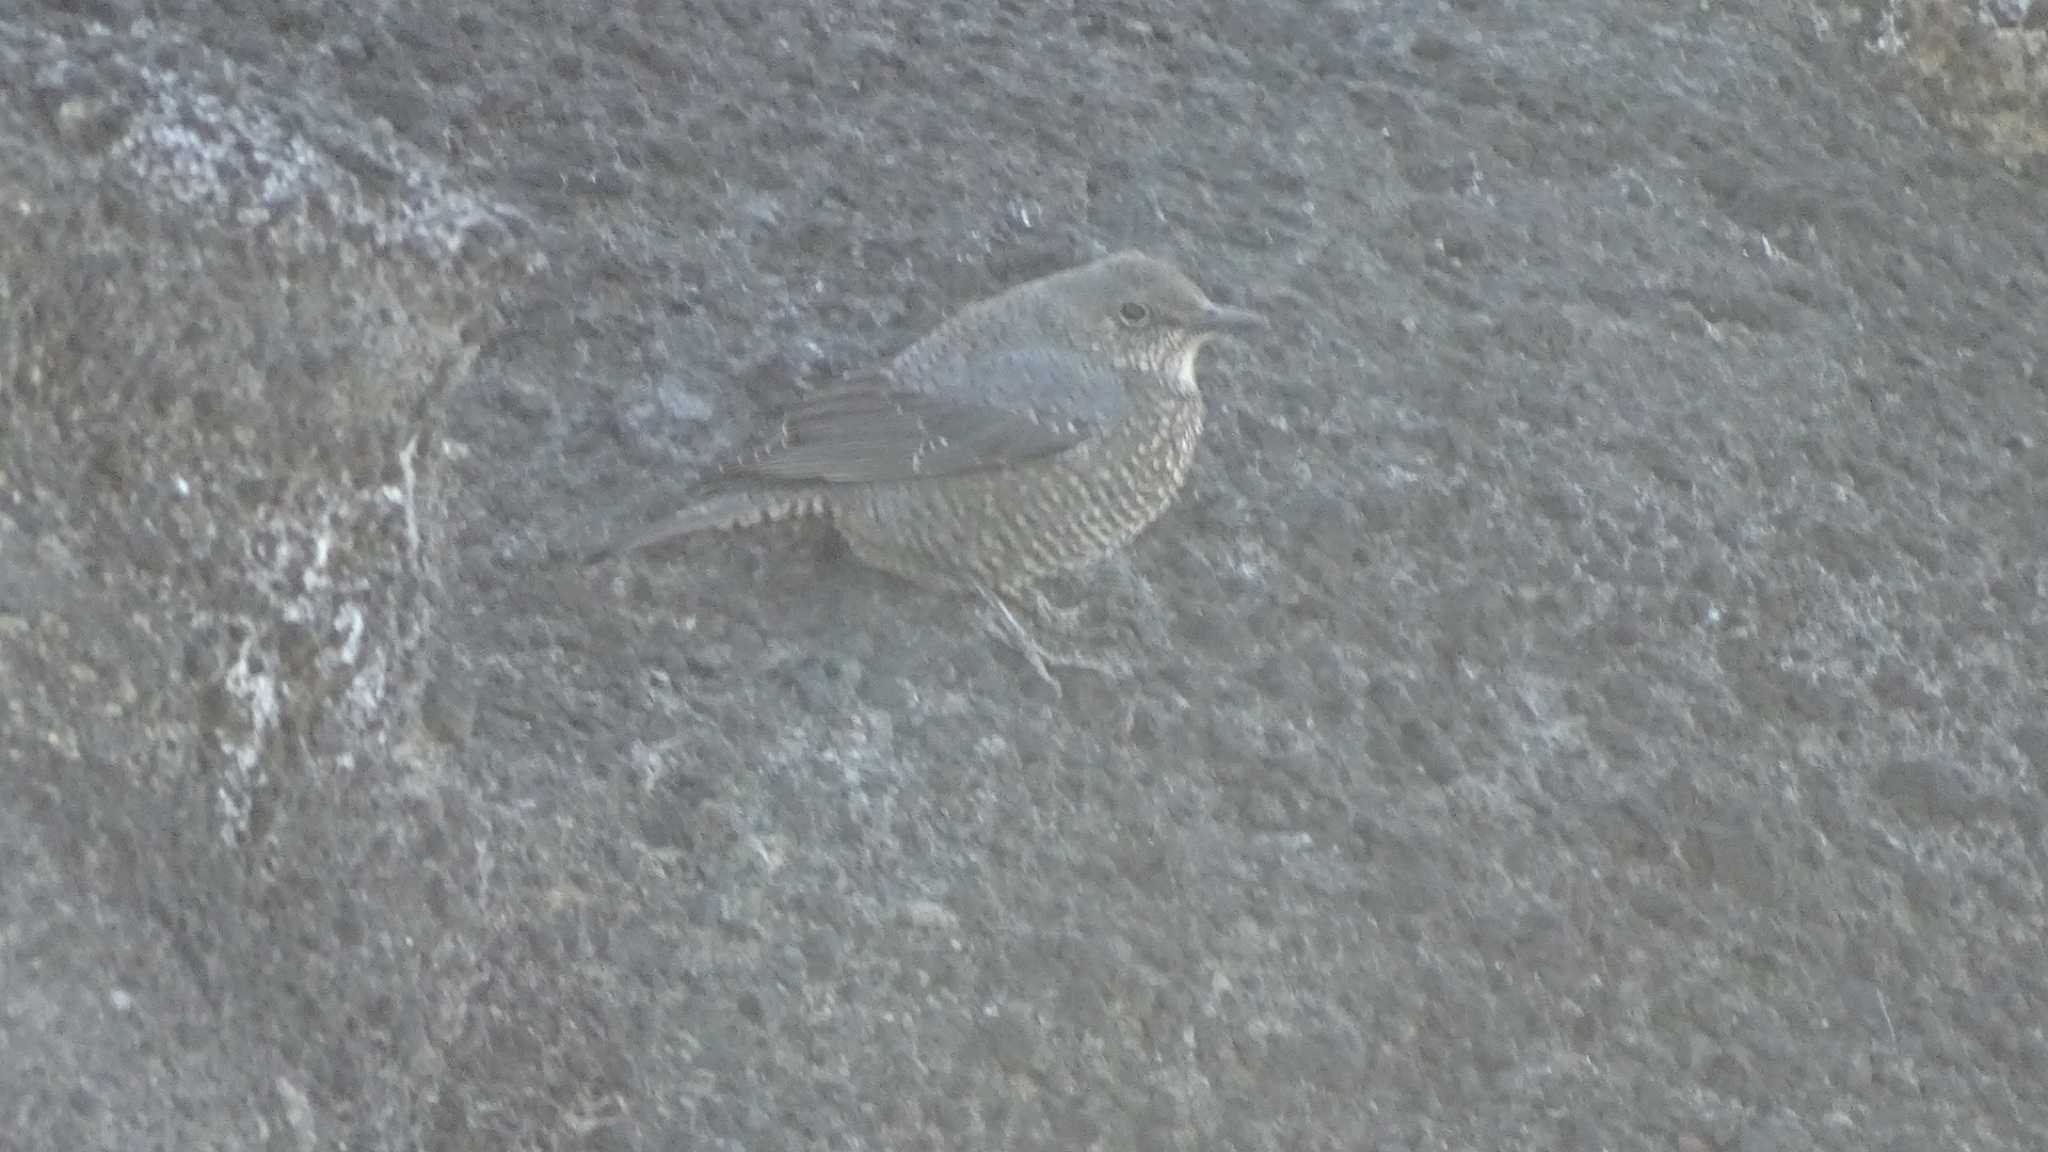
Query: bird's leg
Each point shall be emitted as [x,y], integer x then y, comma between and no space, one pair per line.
[1002,621]
[1019,637]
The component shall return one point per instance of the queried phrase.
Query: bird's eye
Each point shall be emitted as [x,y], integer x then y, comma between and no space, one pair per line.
[1133,312]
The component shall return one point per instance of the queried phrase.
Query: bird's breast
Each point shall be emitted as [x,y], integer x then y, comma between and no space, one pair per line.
[1010,527]
[1136,469]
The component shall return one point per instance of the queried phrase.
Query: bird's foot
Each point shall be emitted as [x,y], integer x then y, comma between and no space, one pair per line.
[1001,621]
[1064,619]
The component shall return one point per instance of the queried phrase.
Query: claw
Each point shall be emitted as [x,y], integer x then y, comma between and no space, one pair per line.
[1063,618]
[1042,659]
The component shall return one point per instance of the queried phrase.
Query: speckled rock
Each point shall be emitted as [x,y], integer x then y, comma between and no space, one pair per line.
[1589,697]
[230,326]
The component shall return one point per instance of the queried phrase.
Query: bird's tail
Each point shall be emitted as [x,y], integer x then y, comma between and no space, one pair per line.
[720,511]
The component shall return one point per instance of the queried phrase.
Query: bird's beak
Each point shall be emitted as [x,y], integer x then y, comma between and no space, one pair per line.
[1224,318]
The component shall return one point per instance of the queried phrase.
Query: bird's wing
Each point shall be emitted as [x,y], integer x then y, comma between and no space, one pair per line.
[999,410]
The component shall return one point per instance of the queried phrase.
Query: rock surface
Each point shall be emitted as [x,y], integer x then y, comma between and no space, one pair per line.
[1592,695]
[231,329]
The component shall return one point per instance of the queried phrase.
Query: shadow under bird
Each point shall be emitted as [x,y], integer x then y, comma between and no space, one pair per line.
[1029,434]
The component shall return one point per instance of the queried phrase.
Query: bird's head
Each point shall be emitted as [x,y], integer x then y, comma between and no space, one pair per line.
[1148,313]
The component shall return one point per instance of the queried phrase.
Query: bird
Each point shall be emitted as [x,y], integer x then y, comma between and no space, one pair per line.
[1029,434]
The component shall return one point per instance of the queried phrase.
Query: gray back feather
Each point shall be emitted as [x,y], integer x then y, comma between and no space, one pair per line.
[1000,409]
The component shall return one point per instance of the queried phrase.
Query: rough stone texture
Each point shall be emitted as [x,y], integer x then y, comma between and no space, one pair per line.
[230,328]
[1591,695]
[1984,62]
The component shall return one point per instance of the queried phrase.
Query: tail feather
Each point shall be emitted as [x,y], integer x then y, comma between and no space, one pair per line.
[720,512]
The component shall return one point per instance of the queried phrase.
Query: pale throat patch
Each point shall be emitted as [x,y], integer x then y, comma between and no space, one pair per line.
[1184,367]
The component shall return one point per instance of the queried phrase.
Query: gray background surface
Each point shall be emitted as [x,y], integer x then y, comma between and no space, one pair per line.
[1593,694]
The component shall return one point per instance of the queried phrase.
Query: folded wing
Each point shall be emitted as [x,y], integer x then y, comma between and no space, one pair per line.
[996,412]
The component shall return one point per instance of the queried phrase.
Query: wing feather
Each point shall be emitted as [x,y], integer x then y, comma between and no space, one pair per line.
[1001,410]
